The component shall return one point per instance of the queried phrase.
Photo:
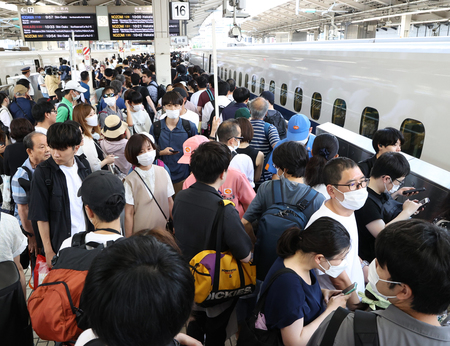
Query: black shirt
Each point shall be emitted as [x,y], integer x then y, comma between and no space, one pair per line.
[251,152]
[194,211]
[50,203]
[366,165]
[14,157]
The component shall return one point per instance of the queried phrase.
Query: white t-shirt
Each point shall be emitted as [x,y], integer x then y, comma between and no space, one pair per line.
[12,240]
[322,188]
[40,82]
[40,130]
[208,108]
[195,96]
[149,178]
[93,237]
[88,148]
[141,121]
[73,181]
[5,117]
[354,270]
[244,163]
[191,116]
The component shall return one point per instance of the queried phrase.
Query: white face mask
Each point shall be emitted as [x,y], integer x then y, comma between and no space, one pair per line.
[92,121]
[172,113]
[280,175]
[238,144]
[353,200]
[76,97]
[136,108]
[110,101]
[394,188]
[147,158]
[374,278]
[335,271]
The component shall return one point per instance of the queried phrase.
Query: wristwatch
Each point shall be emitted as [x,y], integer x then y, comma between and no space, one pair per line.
[364,264]
[212,137]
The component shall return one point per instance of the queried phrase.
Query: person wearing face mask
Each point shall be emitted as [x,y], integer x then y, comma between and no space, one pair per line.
[148,188]
[294,303]
[110,97]
[170,133]
[85,115]
[299,130]
[41,82]
[5,115]
[411,271]
[347,188]
[137,118]
[72,92]
[388,175]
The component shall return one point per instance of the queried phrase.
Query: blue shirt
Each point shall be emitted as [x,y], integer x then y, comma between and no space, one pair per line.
[21,108]
[230,110]
[87,94]
[18,193]
[174,139]
[270,166]
[290,298]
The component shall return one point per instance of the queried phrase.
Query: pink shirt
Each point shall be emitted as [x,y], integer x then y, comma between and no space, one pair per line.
[236,188]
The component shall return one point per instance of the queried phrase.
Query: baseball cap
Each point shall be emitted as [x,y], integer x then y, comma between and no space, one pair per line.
[269,96]
[298,128]
[74,85]
[20,89]
[98,188]
[189,146]
[242,113]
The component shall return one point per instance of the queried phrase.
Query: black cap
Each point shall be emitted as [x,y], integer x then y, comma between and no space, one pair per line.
[98,189]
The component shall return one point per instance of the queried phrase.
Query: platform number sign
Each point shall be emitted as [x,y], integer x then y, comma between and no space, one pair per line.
[179,10]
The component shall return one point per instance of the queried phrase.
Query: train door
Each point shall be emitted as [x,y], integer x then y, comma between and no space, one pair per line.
[210,63]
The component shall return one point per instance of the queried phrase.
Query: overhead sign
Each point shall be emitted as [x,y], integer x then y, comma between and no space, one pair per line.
[56,23]
[179,41]
[179,10]
[135,23]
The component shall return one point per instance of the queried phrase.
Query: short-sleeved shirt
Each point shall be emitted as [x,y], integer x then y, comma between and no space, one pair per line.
[195,96]
[12,240]
[175,139]
[64,113]
[194,211]
[290,298]
[368,213]
[262,143]
[367,165]
[204,98]
[87,93]
[18,193]
[292,193]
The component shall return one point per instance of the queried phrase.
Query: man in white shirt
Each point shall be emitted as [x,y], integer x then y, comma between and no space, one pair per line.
[45,115]
[347,187]
[26,73]
[202,82]
[222,100]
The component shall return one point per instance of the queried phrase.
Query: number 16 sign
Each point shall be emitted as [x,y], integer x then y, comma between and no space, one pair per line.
[179,10]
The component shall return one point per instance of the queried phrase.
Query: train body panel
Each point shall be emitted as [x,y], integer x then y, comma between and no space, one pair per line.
[400,79]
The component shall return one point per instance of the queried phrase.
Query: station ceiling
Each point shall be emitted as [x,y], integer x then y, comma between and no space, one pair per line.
[294,15]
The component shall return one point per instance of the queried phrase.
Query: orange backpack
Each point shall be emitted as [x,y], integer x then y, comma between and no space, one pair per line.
[53,306]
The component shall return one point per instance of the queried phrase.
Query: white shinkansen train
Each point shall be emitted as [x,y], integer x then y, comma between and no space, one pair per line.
[362,85]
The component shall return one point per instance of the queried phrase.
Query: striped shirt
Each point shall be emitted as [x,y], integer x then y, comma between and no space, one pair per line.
[262,143]
[18,193]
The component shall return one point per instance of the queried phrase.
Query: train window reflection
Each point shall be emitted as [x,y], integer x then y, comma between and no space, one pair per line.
[339,110]
[316,106]
[262,85]
[369,122]
[253,83]
[283,94]
[298,99]
[234,77]
[240,79]
[414,133]
[226,73]
[272,87]
[246,81]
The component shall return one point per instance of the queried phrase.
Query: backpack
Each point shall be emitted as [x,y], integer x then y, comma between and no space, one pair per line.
[53,306]
[66,107]
[207,132]
[161,91]
[278,121]
[157,129]
[365,328]
[274,221]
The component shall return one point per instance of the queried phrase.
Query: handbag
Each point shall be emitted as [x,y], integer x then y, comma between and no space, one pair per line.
[169,222]
[220,278]
[253,331]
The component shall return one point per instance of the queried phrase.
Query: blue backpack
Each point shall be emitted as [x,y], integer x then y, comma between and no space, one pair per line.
[274,221]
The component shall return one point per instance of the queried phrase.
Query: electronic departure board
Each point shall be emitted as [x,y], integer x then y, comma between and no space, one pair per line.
[57,25]
[132,26]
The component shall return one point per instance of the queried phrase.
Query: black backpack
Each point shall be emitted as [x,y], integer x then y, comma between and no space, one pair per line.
[279,122]
[157,129]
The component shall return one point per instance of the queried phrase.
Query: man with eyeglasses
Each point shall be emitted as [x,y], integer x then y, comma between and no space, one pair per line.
[386,181]
[72,92]
[347,188]
[45,115]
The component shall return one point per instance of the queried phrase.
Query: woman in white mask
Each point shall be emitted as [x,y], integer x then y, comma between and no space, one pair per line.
[85,115]
[380,209]
[137,117]
[294,302]
[148,188]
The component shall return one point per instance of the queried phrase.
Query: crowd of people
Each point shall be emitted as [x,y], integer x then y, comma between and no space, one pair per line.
[147,167]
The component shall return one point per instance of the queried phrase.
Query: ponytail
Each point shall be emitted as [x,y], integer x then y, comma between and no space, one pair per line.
[314,169]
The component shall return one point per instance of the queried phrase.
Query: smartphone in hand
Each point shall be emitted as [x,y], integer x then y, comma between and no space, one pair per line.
[350,289]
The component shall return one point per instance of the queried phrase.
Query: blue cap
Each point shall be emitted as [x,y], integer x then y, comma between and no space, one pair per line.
[298,128]
[25,69]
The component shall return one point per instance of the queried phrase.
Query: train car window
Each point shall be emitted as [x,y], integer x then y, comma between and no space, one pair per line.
[316,106]
[414,133]
[240,79]
[253,83]
[283,94]
[36,63]
[234,77]
[339,110]
[246,81]
[226,73]
[262,85]
[221,72]
[272,87]
[298,99]
[369,122]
